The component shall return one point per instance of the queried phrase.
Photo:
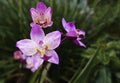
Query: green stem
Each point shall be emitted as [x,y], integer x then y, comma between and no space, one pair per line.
[43,72]
[51,3]
[40,74]
[85,69]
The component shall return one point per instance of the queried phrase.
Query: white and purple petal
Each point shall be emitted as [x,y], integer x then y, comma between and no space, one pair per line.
[27,46]
[53,57]
[68,26]
[36,34]
[34,62]
[47,16]
[52,40]
[71,35]
[41,7]
[48,12]
[34,14]
[77,42]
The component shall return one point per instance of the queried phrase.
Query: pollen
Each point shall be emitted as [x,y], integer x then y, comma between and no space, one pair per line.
[43,51]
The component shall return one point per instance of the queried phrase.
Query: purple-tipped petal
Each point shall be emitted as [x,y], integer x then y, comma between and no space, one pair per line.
[71,35]
[37,61]
[68,26]
[41,7]
[77,42]
[52,40]
[45,57]
[48,12]
[27,46]
[36,33]
[34,14]
[53,57]
[64,23]
[49,24]
[47,16]
[81,33]
[34,62]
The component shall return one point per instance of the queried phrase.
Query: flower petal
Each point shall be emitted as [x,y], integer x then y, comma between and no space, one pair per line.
[36,33]
[48,12]
[34,62]
[53,57]
[47,16]
[41,7]
[71,35]
[34,14]
[27,46]
[77,42]
[68,26]
[52,40]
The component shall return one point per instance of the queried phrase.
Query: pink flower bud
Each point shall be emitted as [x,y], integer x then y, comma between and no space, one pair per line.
[17,55]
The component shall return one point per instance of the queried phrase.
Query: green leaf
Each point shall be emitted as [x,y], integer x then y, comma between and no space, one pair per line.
[82,76]
[104,76]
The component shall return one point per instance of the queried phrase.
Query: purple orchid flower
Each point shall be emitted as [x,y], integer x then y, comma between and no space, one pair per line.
[72,33]
[40,46]
[42,15]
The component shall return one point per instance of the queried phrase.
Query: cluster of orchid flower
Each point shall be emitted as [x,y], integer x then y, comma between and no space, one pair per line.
[41,47]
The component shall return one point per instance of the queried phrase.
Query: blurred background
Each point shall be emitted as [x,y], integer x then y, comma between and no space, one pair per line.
[98,63]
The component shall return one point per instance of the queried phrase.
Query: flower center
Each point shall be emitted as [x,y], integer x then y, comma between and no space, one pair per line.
[43,50]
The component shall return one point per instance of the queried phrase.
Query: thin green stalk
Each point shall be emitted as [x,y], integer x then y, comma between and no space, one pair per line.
[34,77]
[66,8]
[40,74]
[51,3]
[77,79]
[43,72]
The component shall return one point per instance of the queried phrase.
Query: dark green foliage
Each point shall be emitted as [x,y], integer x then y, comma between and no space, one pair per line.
[99,18]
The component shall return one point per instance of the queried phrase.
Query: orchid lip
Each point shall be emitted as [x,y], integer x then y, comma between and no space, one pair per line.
[46,57]
[71,38]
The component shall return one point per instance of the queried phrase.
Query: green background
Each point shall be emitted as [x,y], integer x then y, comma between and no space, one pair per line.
[98,63]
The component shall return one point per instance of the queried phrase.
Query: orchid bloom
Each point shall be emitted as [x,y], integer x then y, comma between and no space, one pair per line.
[40,46]
[72,33]
[42,15]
